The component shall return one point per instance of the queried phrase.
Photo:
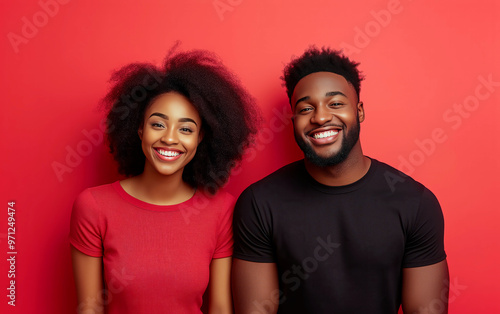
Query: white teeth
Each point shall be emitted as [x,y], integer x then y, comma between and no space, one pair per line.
[325,134]
[168,153]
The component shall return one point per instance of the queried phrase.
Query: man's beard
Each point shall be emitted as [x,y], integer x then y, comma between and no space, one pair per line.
[349,139]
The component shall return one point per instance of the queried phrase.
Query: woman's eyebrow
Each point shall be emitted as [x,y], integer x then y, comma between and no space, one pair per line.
[165,117]
[187,120]
[161,115]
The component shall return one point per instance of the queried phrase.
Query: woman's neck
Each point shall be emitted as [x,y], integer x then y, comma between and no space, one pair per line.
[155,188]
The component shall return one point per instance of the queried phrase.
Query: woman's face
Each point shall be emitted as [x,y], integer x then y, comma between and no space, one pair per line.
[170,133]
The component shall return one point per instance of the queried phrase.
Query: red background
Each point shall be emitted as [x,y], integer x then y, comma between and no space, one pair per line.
[423,61]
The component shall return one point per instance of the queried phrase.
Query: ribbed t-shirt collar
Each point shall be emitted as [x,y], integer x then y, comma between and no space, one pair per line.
[195,199]
[339,189]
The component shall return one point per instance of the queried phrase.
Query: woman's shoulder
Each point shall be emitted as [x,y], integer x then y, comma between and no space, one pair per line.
[98,193]
[222,200]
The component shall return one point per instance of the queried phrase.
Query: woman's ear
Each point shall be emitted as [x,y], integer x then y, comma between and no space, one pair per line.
[140,132]
[200,136]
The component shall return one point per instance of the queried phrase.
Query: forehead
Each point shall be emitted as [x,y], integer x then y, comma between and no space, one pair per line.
[319,83]
[172,104]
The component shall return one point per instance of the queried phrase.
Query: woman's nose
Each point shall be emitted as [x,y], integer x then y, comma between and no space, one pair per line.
[170,136]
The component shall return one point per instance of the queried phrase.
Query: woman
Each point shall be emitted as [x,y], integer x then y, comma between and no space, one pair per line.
[154,242]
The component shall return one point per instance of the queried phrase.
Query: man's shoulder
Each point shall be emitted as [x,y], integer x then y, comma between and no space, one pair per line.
[397,180]
[285,173]
[280,179]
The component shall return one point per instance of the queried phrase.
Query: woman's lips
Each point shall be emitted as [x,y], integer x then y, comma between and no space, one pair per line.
[168,154]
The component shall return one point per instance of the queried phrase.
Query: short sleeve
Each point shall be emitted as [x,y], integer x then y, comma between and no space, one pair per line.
[85,234]
[425,238]
[224,246]
[252,230]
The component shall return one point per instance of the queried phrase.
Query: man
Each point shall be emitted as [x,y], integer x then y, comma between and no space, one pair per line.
[336,232]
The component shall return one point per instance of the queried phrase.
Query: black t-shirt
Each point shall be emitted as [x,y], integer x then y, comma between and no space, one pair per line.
[339,249]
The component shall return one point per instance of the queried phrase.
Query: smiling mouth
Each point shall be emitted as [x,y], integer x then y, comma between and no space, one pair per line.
[329,133]
[168,153]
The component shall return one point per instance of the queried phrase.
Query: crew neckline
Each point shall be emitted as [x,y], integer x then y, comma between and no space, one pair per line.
[153,207]
[342,188]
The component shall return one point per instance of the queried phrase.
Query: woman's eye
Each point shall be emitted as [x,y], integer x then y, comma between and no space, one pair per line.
[187,130]
[157,125]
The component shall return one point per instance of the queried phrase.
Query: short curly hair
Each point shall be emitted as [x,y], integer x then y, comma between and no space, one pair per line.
[325,60]
[228,112]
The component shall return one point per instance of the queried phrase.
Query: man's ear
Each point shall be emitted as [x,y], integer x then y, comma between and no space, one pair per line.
[361,111]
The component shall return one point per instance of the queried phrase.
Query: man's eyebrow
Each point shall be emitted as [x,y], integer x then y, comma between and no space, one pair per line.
[335,93]
[302,99]
[329,94]
[165,117]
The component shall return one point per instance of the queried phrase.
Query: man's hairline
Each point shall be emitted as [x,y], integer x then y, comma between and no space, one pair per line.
[295,86]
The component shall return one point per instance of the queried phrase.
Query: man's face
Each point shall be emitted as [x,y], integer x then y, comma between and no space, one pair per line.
[326,118]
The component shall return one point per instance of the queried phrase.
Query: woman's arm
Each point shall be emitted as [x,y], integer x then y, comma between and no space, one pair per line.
[219,287]
[87,271]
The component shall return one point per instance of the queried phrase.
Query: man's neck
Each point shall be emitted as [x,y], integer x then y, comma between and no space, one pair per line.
[349,171]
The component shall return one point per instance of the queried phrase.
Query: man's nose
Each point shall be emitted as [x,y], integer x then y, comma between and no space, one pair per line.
[321,115]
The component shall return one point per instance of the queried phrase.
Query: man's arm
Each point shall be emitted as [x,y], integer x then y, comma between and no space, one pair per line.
[425,289]
[255,287]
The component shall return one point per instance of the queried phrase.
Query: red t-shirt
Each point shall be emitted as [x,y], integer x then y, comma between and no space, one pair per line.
[156,258]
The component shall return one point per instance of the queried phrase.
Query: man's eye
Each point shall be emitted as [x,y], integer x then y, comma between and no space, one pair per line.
[336,104]
[305,109]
